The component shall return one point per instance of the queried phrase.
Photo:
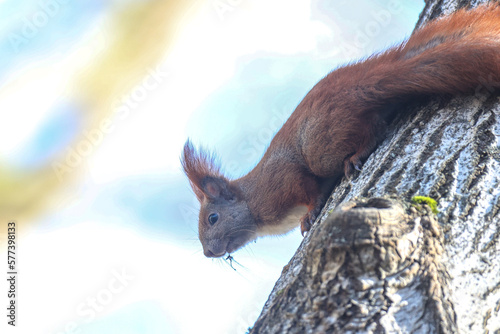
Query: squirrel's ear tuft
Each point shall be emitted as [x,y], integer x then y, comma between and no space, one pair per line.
[204,173]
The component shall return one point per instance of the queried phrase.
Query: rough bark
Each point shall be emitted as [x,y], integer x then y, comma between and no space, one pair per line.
[370,266]
[376,266]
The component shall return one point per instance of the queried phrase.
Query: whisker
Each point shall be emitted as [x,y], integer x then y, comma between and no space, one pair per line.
[198,251]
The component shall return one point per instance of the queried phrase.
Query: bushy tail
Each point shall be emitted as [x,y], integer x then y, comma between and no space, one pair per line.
[456,54]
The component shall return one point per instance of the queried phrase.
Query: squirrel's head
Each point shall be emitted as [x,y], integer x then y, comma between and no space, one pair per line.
[225,223]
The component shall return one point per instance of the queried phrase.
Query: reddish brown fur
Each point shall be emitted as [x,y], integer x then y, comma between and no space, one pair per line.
[197,166]
[340,121]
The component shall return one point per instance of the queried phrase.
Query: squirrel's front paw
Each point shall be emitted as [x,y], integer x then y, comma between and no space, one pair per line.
[308,220]
[305,225]
[352,164]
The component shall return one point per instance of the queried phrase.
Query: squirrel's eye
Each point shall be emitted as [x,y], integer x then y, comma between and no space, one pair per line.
[212,218]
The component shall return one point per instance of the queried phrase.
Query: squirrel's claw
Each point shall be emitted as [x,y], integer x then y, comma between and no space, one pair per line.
[305,226]
[352,164]
[308,220]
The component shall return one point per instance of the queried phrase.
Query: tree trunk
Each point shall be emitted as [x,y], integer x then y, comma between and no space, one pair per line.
[375,263]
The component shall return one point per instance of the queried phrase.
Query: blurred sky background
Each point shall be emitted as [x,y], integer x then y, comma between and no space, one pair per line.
[96,101]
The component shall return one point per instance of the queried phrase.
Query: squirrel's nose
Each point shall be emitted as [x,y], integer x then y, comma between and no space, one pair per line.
[214,247]
[210,253]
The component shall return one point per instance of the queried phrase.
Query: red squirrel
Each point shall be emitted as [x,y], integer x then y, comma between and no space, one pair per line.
[337,126]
